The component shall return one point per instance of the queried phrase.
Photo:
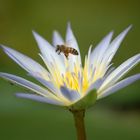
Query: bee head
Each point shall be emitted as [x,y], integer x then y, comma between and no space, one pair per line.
[77,53]
[57,48]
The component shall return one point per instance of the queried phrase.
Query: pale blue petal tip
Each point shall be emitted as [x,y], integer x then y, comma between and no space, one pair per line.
[120,85]
[38,98]
[71,95]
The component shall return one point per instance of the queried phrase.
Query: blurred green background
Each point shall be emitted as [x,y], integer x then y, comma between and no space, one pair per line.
[116,117]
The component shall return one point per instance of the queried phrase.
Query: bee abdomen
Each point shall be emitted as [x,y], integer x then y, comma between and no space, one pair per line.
[73,51]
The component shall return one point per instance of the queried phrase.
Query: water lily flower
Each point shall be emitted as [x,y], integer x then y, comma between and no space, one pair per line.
[65,82]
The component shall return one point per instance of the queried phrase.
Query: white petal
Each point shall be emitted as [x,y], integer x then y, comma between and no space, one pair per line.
[25,62]
[39,98]
[119,85]
[48,52]
[71,41]
[71,95]
[88,63]
[120,71]
[70,38]
[108,72]
[48,84]
[110,52]
[27,84]
[98,52]
[57,39]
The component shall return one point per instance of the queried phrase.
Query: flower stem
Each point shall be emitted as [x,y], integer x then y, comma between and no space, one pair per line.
[79,123]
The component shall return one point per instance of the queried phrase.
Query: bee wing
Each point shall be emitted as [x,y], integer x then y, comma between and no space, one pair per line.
[69,43]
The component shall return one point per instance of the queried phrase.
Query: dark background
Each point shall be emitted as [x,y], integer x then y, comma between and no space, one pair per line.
[116,117]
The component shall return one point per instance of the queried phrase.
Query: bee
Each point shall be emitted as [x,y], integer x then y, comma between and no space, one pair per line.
[66,50]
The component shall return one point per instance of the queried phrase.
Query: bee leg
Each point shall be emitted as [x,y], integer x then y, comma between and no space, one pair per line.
[56,50]
[66,55]
[59,52]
